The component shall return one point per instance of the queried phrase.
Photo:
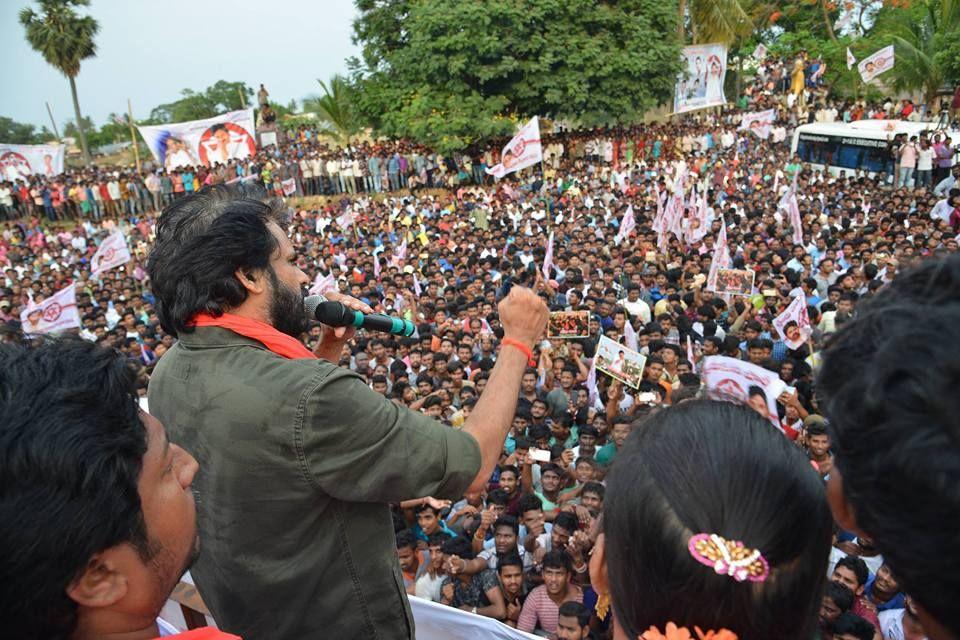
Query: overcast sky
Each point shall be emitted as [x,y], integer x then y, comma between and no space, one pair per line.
[150,51]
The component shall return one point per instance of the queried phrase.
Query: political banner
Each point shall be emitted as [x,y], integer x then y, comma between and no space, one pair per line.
[439,622]
[700,84]
[112,252]
[522,151]
[793,325]
[19,161]
[207,142]
[760,52]
[759,122]
[289,186]
[745,383]
[56,313]
[876,63]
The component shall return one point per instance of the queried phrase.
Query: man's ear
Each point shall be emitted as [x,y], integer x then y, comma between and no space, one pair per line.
[251,279]
[102,583]
[843,512]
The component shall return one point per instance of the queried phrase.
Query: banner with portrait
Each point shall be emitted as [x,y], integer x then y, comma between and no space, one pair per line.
[523,150]
[793,325]
[700,84]
[209,142]
[19,161]
[759,122]
[56,313]
[876,63]
[735,380]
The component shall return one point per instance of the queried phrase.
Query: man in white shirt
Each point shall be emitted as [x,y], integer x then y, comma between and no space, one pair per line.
[636,307]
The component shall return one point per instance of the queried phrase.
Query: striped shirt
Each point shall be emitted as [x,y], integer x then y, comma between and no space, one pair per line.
[539,611]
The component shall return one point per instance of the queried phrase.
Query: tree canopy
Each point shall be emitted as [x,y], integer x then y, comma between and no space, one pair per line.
[13,132]
[450,73]
[221,97]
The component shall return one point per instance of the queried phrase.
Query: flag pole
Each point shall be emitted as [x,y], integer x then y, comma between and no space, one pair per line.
[53,122]
[133,136]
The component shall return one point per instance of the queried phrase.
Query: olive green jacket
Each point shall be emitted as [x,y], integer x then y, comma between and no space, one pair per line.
[298,462]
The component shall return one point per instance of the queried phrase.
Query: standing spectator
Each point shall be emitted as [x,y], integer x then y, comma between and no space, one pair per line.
[908,162]
[925,159]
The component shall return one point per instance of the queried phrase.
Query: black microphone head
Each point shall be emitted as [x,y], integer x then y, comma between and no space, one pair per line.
[334,314]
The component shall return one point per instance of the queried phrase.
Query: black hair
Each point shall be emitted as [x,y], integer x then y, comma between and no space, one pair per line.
[841,595]
[594,487]
[71,453]
[507,521]
[406,539]
[201,241]
[460,547]
[854,625]
[895,428]
[509,559]
[558,559]
[512,468]
[857,566]
[566,520]
[714,467]
[529,502]
[574,609]
[498,497]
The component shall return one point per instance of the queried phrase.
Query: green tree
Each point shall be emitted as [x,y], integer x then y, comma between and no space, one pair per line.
[14,132]
[453,72]
[921,35]
[64,39]
[335,109]
[219,98]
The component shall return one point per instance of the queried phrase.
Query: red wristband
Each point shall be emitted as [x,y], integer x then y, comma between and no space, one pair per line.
[527,351]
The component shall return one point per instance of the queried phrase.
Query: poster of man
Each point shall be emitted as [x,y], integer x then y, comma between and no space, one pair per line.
[737,282]
[620,362]
[569,324]
[793,325]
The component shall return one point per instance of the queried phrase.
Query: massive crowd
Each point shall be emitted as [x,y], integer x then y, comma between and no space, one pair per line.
[434,239]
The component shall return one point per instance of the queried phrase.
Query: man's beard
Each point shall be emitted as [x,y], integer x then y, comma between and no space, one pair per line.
[287,314]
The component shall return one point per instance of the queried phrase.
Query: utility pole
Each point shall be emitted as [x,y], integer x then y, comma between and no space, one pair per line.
[133,136]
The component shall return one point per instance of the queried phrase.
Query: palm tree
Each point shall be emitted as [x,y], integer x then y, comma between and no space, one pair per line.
[64,39]
[334,108]
[916,42]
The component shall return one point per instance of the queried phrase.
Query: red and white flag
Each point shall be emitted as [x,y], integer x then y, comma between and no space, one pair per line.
[523,150]
[739,381]
[56,313]
[322,284]
[627,225]
[112,252]
[548,259]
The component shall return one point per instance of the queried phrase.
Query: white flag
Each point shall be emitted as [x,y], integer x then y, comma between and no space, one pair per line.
[56,313]
[548,259]
[416,285]
[721,258]
[522,151]
[875,64]
[630,336]
[111,253]
[322,284]
[851,60]
[759,122]
[760,52]
[627,225]
[690,356]
[738,381]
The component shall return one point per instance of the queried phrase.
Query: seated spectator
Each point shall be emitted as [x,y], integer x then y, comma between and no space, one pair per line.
[510,575]
[895,434]
[96,501]
[573,622]
[413,561]
[852,573]
[883,590]
[713,520]
[477,593]
[430,581]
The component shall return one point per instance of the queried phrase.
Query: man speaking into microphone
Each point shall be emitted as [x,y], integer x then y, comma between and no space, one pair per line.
[299,458]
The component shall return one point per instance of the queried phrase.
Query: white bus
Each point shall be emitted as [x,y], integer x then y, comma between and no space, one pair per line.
[854,146]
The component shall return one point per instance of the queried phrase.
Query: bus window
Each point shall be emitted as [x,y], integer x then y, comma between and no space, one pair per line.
[816,151]
[856,157]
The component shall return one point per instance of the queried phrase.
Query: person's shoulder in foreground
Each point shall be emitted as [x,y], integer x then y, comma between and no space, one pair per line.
[889,381]
[96,500]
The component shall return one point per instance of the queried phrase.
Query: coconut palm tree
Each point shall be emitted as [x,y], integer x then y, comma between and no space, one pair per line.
[64,39]
[916,41]
[334,108]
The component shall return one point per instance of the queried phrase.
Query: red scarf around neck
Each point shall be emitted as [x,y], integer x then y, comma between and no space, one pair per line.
[279,343]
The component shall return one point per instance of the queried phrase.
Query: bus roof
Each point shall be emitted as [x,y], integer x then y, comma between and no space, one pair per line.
[875,129]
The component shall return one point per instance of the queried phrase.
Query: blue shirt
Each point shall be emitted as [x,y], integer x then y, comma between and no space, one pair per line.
[418,532]
[896,602]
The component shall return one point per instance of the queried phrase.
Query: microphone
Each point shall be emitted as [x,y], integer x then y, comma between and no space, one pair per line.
[335,314]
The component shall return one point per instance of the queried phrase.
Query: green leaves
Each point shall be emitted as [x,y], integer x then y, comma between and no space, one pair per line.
[221,97]
[451,73]
[335,108]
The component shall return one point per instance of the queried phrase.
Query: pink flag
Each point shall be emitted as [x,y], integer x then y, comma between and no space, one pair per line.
[627,225]
[112,252]
[56,313]
[548,259]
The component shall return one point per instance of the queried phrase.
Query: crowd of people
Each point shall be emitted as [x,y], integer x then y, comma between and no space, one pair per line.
[646,502]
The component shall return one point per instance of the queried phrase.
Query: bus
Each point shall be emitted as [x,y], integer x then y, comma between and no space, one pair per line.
[855,146]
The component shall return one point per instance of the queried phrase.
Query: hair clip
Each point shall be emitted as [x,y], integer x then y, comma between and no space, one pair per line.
[729,557]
